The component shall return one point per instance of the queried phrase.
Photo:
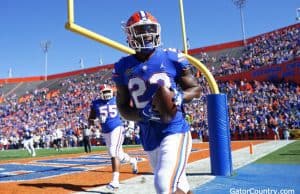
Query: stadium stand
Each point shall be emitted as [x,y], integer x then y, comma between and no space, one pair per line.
[264,106]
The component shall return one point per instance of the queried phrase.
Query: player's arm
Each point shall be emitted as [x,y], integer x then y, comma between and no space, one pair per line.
[123,103]
[186,79]
[92,117]
[189,85]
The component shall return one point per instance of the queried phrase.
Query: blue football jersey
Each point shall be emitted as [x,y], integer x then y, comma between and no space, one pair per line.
[107,108]
[163,68]
[27,134]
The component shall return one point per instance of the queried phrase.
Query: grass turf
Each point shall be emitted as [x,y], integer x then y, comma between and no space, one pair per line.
[289,154]
[22,153]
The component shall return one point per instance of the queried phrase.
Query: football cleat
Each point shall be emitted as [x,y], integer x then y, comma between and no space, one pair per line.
[134,166]
[113,186]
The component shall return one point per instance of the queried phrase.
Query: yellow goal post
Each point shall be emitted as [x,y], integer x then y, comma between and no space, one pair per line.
[70,25]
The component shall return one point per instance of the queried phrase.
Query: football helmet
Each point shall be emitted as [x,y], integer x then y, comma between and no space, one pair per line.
[143,31]
[106,92]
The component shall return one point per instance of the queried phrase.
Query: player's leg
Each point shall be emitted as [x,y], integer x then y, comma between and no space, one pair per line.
[85,144]
[183,184]
[31,147]
[89,144]
[59,144]
[55,144]
[113,141]
[170,166]
[124,157]
[153,157]
[26,146]
[179,191]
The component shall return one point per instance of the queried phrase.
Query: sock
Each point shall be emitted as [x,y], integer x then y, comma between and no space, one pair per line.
[132,160]
[116,177]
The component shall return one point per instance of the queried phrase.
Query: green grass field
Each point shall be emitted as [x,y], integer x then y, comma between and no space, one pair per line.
[289,154]
[21,153]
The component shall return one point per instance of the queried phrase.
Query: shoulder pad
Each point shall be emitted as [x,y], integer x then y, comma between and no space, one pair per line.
[175,54]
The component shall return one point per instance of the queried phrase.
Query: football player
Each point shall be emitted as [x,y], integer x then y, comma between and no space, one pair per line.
[137,78]
[28,140]
[105,109]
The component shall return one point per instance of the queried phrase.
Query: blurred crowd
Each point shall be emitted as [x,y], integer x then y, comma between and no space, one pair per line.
[268,49]
[255,107]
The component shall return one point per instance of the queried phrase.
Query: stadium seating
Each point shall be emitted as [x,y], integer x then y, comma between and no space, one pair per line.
[64,99]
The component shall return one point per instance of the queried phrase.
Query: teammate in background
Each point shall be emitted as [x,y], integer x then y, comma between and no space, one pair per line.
[105,109]
[137,78]
[28,141]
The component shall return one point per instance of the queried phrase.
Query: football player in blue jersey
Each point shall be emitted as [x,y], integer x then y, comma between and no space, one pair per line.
[137,78]
[28,140]
[105,109]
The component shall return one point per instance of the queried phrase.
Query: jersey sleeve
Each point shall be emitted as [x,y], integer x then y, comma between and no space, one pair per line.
[180,61]
[118,72]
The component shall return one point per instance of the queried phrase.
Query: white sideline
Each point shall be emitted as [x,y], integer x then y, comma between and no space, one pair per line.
[198,172]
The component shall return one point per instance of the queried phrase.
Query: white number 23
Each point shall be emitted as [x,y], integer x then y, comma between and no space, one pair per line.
[138,87]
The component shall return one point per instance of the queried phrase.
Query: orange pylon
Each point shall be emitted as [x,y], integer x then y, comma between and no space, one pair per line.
[251,148]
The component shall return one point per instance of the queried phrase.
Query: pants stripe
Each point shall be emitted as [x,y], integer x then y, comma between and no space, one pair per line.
[120,141]
[181,160]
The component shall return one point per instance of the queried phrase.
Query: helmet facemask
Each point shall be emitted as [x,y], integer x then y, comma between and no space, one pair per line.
[144,34]
[106,93]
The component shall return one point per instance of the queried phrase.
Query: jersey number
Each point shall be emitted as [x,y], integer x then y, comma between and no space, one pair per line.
[109,110]
[138,87]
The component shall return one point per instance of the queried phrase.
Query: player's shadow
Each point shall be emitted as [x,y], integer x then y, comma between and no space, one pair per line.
[123,171]
[144,173]
[70,187]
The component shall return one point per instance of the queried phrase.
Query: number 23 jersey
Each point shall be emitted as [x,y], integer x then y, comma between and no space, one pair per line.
[163,68]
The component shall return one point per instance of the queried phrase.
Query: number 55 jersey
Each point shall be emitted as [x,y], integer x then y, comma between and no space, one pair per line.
[106,110]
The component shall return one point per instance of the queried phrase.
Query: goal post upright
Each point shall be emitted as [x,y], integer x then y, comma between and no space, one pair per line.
[217,114]
[218,121]
[70,25]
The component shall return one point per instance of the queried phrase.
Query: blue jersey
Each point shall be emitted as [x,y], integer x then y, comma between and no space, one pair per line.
[163,68]
[27,134]
[108,109]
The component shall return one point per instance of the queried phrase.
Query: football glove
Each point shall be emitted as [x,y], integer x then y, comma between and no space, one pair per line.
[103,119]
[178,97]
[148,114]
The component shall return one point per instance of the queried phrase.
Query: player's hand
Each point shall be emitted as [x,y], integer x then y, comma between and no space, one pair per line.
[103,119]
[178,97]
[148,114]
